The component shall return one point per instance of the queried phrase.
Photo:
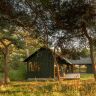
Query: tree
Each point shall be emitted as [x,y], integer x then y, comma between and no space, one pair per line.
[84,52]
[74,17]
[78,18]
[32,15]
[9,35]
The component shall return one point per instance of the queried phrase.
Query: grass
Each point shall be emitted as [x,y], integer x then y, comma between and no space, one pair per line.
[50,88]
[86,86]
[86,76]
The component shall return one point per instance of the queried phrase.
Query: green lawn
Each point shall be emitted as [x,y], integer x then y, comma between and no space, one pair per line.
[86,76]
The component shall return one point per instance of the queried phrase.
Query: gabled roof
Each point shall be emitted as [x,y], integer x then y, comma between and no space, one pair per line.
[81,61]
[59,58]
[62,59]
[33,54]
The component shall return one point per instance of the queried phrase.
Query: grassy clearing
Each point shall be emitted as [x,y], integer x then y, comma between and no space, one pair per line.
[86,86]
[49,88]
[86,76]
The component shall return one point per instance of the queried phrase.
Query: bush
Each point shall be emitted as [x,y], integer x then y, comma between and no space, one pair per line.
[19,74]
[1,75]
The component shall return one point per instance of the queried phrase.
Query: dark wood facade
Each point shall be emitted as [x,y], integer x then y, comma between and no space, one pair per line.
[41,63]
[82,68]
[82,65]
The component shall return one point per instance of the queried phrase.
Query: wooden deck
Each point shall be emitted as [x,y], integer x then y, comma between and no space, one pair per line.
[71,76]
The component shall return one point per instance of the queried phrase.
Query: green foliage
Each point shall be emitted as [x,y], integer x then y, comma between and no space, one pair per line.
[46,3]
[72,13]
[8,31]
[85,52]
[1,75]
[16,61]
[72,16]
[19,74]
[1,63]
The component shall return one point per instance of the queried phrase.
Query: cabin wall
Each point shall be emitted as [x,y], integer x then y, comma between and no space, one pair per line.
[41,65]
[89,68]
[82,68]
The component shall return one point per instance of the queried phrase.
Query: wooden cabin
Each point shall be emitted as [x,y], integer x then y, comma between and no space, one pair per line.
[44,63]
[82,65]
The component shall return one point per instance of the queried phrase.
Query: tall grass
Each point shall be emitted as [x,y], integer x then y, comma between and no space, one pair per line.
[88,88]
[71,88]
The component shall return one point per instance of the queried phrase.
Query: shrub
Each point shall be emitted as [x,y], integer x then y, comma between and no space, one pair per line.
[19,74]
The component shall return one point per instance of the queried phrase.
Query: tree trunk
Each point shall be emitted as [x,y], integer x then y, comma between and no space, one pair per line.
[91,48]
[57,65]
[6,77]
[92,58]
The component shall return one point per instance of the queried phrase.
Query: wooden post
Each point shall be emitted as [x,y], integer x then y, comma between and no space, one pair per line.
[27,70]
[57,65]
[72,68]
[68,68]
[54,63]
[54,71]
[58,71]
[79,69]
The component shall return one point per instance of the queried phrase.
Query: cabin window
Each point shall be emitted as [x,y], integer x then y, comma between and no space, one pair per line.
[80,68]
[34,67]
[83,68]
